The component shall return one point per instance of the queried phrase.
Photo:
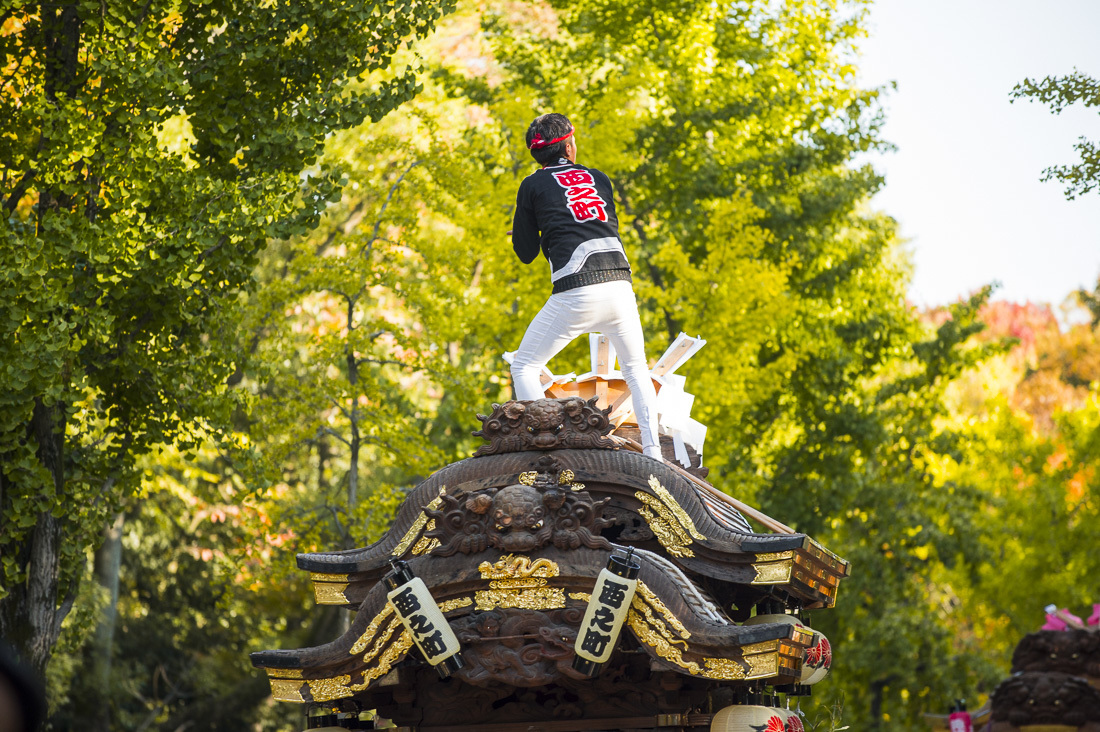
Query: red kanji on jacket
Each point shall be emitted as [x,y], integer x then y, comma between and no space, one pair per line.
[580,195]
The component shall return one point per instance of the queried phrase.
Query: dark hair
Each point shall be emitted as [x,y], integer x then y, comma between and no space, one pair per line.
[548,127]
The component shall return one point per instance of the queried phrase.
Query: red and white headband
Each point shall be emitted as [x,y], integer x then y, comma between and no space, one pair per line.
[537,142]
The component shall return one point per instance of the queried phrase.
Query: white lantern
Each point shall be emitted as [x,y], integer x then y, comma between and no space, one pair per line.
[792,721]
[749,718]
[606,613]
[416,608]
[817,659]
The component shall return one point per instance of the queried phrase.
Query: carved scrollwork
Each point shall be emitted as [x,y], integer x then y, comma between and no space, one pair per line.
[544,424]
[522,648]
[1074,652]
[1033,698]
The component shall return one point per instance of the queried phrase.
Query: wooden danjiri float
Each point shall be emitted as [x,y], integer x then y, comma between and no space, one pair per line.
[560,580]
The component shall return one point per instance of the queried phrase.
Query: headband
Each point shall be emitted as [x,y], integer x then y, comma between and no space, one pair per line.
[538,143]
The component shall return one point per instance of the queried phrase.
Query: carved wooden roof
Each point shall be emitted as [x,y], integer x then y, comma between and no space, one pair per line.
[510,543]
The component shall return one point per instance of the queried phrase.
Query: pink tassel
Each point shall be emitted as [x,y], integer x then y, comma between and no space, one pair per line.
[1054,623]
[1061,619]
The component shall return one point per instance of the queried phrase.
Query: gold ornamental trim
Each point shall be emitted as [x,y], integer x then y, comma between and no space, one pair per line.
[372,630]
[322,690]
[725,669]
[565,477]
[425,544]
[755,663]
[512,566]
[773,573]
[659,643]
[448,605]
[661,522]
[763,666]
[329,689]
[653,601]
[762,647]
[284,673]
[512,572]
[676,509]
[327,593]
[775,556]
[288,690]
[536,598]
[582,596]
[323,577]
[393,654]
[418,525]
[653,623]
[394,626]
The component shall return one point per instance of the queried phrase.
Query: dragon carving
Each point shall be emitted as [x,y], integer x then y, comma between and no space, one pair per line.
[544,424]
[518,647]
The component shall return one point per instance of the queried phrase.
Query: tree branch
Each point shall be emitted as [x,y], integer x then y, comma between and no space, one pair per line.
[381,213]
[19,191]
[334,433]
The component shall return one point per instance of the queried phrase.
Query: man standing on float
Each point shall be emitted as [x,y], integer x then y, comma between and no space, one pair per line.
[567,212]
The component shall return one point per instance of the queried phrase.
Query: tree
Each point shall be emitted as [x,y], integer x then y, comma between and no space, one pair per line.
[1029,426]
[731,133]
[122,255]
[1059,92]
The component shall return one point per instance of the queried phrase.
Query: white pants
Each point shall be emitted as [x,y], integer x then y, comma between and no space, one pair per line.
[607,308]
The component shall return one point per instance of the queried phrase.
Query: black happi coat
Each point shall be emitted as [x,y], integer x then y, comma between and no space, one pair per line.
[567,212]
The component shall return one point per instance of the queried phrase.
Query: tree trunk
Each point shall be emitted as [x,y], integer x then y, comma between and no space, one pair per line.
[108,561]
[877,689]
[353,469]
[354,444]
[29,616]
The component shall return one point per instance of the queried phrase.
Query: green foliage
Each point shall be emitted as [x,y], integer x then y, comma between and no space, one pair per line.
[122,252]
[194,600]
[1030,448]
[1059,92]
[730,146]
[1091,301]
[351,352]
[730,133]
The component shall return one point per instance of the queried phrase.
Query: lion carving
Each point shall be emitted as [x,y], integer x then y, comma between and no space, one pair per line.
[522,517]
[544,424]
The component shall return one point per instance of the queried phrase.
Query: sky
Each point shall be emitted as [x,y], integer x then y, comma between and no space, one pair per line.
[964,183]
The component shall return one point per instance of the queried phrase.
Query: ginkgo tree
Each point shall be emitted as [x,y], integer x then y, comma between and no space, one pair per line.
[121,254]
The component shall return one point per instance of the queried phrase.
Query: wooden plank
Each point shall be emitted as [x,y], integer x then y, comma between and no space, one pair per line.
[603,356]
[677,354]
[601,392]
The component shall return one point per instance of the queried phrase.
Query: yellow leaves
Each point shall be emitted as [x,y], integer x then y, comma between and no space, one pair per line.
[294,36]
[175,137]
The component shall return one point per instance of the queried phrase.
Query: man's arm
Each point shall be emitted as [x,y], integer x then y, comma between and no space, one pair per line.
[525,229]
